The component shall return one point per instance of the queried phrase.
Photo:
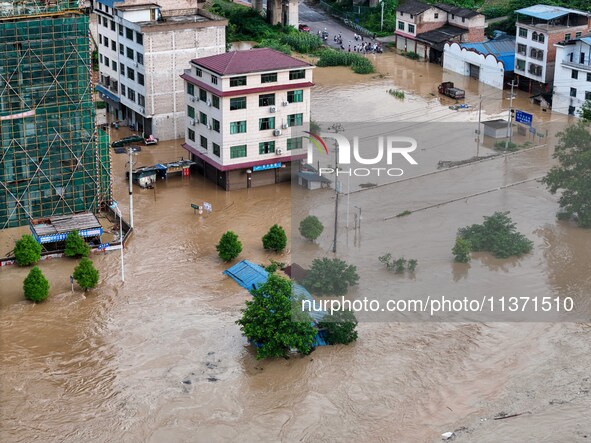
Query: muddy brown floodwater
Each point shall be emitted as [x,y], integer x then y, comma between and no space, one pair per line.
[160,359]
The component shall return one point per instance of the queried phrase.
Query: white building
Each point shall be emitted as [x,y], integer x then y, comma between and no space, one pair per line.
[246,111]
[572,76]
[489,62]
[142,52]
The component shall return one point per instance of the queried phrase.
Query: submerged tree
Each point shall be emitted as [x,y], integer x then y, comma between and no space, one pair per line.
[268,320]
[340,327]
[573,175]
[461,250]
[275,239]
[85,274]
[27,251]
[36,286]
[311,227]
[330,276]
[229,246]
[76,246]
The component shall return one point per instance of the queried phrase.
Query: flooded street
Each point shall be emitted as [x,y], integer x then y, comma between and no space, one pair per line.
[160,359]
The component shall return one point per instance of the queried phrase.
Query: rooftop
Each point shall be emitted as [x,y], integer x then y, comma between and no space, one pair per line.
[455,10]
[252,60]
[496,124]
[413,7]
[441,35]
[503,49]
[139,7]
[547,12]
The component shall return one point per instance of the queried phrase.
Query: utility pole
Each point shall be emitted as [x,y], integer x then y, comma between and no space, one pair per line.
[382,18]
[130,152]
[478,130]
[509,119]
[336,127]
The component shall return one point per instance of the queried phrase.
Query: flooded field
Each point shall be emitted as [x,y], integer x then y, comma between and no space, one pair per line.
[159,358]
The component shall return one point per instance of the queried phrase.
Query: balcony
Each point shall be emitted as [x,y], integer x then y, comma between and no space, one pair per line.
[580,66]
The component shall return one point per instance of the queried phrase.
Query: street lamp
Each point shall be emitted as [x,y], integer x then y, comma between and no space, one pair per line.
[114,207]
[382,19]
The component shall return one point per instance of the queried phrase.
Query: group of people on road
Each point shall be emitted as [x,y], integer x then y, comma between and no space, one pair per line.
[364,47]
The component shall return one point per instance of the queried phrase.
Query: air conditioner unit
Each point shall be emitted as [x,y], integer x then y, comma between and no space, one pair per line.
[193,99]
[284,126]
[285,103]
[272,109]
[135,64]
[192,122]
[277,132]
[142,110]
[279,151]
[208,126]
[208,102]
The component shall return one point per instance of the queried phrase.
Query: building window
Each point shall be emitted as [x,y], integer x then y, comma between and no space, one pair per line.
[238,81]
[141,100]
[295,96]
[269,78]
[463,20]
[587,95]
[139,38]
[121,51]
[129,33]
[202,142]
[453,16]
[589,76]
[100,39]
[114,65]
[521,49]
[215,124]
[191,135]
[411,29]
[121,68]
[215,101]
[266,123]
[437,15]
[523,32]
[131,94]
[216,149]
[536,53]
[202,118]
[541,38]
[534,36]
[191,89]
[123,90]
[238,127]
[237,103]
[294,143]
[214,79]
[112,25]
[520,64]
[574,74]
[191,112]
[578,34]
[295,120]
[101,58]
[573,92]
[266,147]
[130,53]
[238,151]
[297,74]
[400,25]
[105,24]
[130,73]
[107,61]
[535,69]
[106,41]
[121,30]
[140,58]
[140,78]
[412,16]
[198,72]
[566,37]
[202,95]
[113,45]
[266,99]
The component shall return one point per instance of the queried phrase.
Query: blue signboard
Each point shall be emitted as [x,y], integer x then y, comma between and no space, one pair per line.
[523,117]
[265,167]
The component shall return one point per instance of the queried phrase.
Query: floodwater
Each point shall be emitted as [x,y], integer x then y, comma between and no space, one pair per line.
[159,358]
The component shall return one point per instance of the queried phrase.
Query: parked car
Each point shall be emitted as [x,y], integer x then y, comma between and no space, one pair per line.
[304,28]
[127,140]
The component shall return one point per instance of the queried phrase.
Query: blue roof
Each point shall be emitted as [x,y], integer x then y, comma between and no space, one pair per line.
[108,93]
[586,40]
[247,274]
[547,12]
[503,49]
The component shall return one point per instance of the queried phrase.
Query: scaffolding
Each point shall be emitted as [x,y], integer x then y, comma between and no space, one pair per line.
[53,158]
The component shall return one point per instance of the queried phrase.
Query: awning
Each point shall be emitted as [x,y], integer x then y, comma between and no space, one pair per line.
[107,93]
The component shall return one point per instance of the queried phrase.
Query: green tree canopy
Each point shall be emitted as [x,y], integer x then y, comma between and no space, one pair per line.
[268,321]
[340,327]
[229,246]
[330,276]
[27,251]
[76,246]
[573,175]
[36,286]
[498,235]
[461,250]
[275,239]
[85,274]
[311,227]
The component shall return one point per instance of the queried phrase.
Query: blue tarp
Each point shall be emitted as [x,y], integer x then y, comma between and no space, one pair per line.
[503,49]
[251,276]
[547,12]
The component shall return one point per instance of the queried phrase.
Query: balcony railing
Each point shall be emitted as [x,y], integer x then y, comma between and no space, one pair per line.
[582,66]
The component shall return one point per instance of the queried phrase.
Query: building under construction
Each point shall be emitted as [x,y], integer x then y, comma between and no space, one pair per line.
[53,159]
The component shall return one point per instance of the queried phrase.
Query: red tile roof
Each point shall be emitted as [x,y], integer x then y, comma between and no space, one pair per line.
[251,60]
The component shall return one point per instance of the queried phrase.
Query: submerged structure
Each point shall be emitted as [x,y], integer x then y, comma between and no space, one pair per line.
[53,159]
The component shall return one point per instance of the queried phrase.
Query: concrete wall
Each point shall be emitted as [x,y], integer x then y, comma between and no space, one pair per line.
[457,59]
[563,81]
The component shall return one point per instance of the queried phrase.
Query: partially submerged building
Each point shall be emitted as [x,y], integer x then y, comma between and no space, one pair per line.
[54,161]
[572,75]
[143,49]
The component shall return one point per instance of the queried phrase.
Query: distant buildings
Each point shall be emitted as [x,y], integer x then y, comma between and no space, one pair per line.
[246,111]
[53,161]
[142,52]
[539,28]
[572,76]
[425,28]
